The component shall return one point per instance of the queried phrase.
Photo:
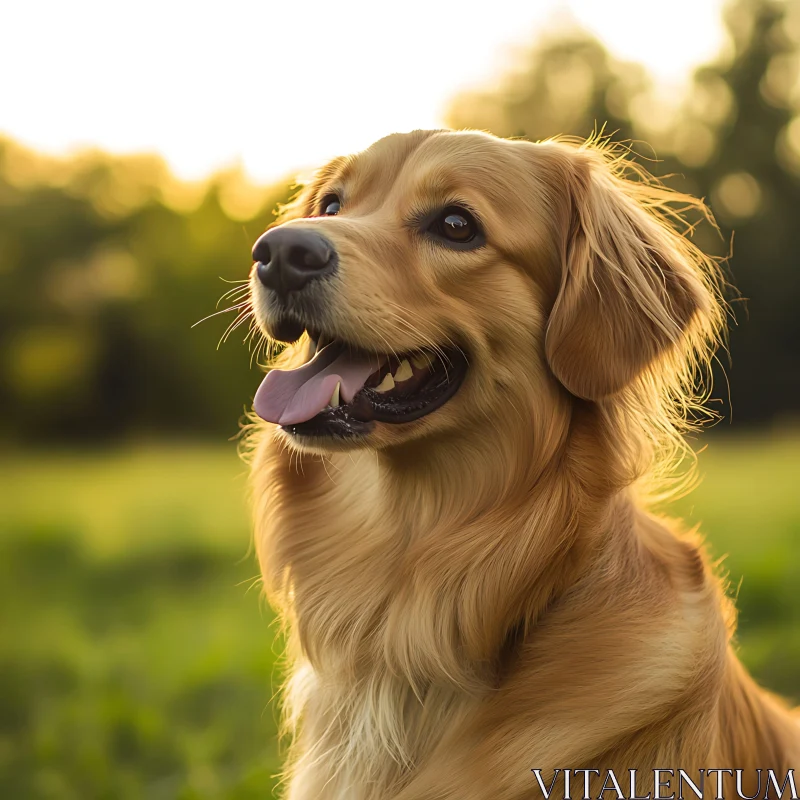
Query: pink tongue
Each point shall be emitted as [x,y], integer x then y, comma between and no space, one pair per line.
[287,397]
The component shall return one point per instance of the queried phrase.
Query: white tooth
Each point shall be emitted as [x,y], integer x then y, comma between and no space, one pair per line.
[404,371]
[335,396]
[422,360]
[386,384]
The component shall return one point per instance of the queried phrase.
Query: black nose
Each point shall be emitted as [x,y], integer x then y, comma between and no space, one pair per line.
[289,258]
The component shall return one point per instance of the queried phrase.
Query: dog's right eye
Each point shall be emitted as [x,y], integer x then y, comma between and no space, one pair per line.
[330,205]
[457,228]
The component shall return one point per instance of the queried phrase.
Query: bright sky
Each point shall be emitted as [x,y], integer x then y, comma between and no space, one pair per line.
[281,85]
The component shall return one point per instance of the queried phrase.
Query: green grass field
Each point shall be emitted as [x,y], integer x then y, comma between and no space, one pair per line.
[138,660]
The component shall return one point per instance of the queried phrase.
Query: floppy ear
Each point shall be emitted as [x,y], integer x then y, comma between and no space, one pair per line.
[630,284]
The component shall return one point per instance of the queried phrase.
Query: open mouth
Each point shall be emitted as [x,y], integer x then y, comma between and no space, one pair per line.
[342,390]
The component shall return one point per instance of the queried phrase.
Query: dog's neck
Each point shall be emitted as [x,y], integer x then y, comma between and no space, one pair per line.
[381,560]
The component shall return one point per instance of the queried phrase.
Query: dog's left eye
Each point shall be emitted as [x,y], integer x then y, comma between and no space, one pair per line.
[456,225]
[330,205]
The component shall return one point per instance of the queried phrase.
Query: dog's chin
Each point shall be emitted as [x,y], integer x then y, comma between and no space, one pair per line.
[404,389]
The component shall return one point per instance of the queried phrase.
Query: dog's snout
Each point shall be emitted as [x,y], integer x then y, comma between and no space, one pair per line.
[289,258]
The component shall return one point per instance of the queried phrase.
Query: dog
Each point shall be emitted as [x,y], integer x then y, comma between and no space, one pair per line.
[492,351]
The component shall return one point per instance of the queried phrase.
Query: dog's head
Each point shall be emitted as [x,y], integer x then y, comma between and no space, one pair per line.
[440,280]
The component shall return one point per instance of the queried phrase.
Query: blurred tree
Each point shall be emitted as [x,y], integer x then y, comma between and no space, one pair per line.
[105,265]
[752,178]
[566,84]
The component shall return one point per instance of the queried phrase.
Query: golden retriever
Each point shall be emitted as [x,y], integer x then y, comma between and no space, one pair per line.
[494,348]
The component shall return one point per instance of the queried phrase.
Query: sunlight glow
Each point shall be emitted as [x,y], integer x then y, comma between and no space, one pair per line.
[278,86]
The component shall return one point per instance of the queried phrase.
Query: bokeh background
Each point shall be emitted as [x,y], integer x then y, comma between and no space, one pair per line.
[137,657]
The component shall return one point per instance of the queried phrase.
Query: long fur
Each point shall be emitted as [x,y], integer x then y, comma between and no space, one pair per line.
[484,591]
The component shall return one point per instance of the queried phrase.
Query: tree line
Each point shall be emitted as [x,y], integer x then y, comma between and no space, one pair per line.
[107,262]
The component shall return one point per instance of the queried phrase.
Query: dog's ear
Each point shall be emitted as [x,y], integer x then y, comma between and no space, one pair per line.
[630,284]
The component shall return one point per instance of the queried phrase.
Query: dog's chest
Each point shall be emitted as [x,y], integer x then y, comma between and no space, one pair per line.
[364,738]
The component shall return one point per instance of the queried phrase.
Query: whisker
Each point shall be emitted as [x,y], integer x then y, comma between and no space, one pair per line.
[238,322]
[261,343]
[238,291]
[234,325]
[224,311]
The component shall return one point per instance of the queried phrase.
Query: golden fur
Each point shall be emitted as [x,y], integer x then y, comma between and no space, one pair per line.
[482,592]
